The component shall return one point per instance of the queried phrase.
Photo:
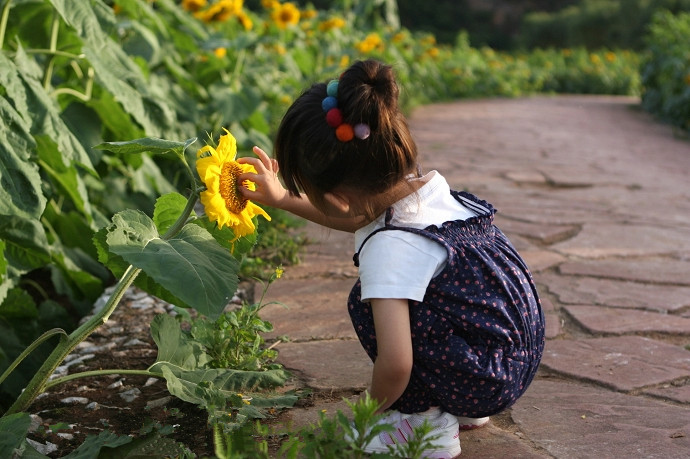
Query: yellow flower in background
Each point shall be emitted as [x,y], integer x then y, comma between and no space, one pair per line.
[434,52]
[270,4]
[309,14]
[245,20]
[222,200]
[344,61]
[193,5]
[370,43]
[279,272]
[332,23]
[220,52]
[398,37]
[285,15]
[220,11]
[610,56]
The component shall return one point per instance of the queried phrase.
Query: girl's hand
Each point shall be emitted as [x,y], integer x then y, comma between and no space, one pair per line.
[269,191]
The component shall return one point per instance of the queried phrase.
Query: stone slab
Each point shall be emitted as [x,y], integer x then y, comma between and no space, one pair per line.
[541,260]
[678,394]
[621,321]
[492,442]
[604,239]
[546,234]
[340,365]
[577,421]
[656,270]
[623,363]
[309,308]
[609,292]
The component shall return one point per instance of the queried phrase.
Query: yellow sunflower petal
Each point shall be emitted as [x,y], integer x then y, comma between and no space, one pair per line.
[227,147]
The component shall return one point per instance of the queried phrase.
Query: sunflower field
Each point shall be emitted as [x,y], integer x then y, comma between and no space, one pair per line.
[105,104]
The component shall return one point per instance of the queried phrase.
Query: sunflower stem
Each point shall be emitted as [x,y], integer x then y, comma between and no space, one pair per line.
[182,219]
[3,21]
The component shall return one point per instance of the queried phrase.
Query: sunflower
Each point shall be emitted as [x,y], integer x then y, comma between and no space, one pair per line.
[285,15]
[222,199]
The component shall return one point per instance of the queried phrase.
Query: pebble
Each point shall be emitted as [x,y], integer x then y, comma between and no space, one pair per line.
[93,406]
[158,402]
[36,422]
[130,395]
[116,385]
[143,303]
[150,382]
[41,448]
[135,342]
[75,400]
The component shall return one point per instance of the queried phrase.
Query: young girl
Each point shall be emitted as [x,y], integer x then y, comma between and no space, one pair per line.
[444,305]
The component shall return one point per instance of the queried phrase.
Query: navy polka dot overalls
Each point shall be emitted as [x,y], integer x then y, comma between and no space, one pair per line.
[478,335]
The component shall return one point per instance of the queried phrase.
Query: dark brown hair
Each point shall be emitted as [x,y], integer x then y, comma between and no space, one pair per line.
[313,160]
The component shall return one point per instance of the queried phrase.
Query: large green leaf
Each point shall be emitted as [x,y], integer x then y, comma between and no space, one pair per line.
[13,430]
[116,71]
[66,177]
[20,182]
[146,145]
[192,265]
[213,386]
[46,117]
[175,349]
[26,243]
[167,211]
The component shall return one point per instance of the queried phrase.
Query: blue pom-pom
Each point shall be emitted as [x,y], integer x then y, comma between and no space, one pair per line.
[329,103]
[332,88]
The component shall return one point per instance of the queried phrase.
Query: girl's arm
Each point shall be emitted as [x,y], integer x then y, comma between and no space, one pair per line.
[393,365]
[269,191]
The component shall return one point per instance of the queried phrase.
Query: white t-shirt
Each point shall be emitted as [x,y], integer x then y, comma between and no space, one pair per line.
[400,264]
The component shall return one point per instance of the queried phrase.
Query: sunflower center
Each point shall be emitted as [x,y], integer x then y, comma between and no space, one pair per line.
[234,201]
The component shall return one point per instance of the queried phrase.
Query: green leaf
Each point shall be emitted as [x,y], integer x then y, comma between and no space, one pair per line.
[225,236]
[118,266]
[191,265]
[167,210]
[18,306]
[146,145]
[20,182]
[13,430]
[46,117]
[65,176]
[26,243]
[175,349]
[92,446]
[114,70]
[212,387]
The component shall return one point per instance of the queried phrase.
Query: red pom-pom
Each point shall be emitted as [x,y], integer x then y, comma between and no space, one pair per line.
[334,117]
[344,132]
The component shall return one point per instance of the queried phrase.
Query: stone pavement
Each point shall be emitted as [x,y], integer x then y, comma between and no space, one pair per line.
[596,196]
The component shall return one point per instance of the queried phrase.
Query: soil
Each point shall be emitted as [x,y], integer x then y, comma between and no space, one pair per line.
[123,404]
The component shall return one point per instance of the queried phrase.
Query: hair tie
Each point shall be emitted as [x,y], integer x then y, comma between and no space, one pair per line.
[334,117]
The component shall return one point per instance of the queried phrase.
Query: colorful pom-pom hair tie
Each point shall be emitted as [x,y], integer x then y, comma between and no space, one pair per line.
[334,117]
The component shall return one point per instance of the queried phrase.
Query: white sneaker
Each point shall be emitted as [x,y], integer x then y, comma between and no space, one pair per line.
[444,428]
[471,423]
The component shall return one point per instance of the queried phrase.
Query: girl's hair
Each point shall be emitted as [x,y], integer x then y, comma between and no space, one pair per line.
[313,160]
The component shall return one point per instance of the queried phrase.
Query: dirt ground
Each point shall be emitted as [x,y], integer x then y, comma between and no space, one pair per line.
[123,404]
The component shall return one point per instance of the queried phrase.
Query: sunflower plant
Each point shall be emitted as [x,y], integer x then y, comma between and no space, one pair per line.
[187,259]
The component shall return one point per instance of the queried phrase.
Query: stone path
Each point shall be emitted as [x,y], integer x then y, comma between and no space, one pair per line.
[596,196]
